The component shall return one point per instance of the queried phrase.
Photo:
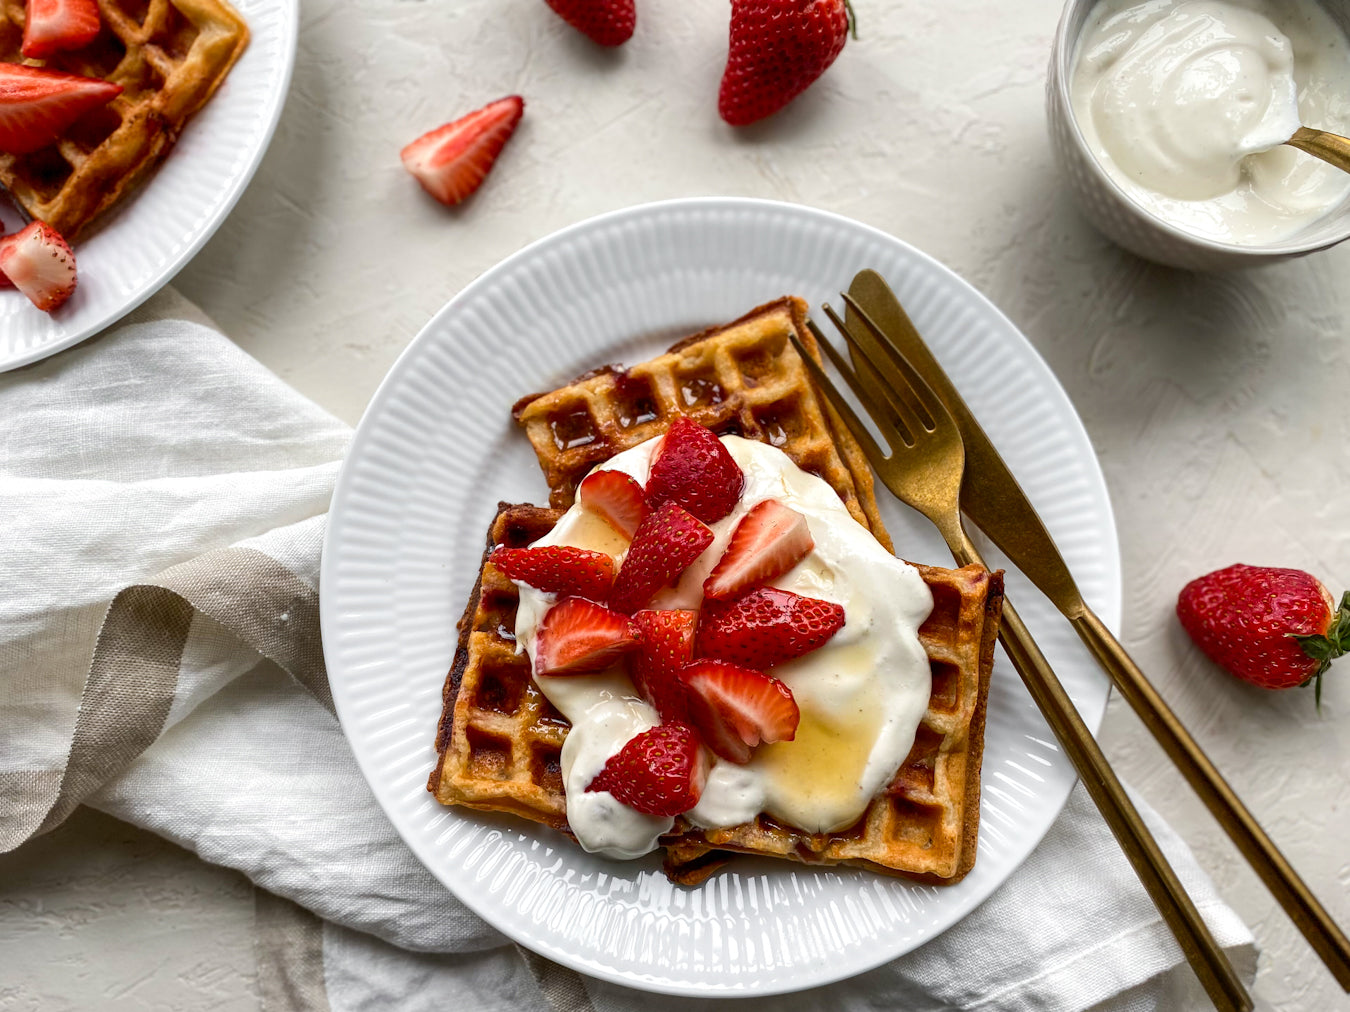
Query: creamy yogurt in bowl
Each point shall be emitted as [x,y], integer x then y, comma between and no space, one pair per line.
[1167,117]
[861,695]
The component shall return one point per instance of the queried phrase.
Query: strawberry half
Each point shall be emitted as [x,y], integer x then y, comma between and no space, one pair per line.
[777,49]
[663,547]
[559,569]
[52,25]
[452,161]
[769,540]
[667,645]
[659,772]
[736,708]
[40,264]
[36,106]
[607,22]
[694,469]
[766,627]
[615,498]
[578,636]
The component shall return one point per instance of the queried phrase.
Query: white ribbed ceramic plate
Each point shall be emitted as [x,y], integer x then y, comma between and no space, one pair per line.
[437,450]
[135,249]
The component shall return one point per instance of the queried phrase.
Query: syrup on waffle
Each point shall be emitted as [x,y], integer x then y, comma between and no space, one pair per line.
[500,740]
[169,58]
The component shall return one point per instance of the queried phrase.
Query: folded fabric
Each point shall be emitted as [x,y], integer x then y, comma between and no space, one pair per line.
[160,660]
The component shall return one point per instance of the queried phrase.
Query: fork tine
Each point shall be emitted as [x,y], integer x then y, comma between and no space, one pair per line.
[886,384]
[874,453]
[923,393]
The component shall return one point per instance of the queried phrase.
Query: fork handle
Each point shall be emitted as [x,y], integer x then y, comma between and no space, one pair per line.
[1206,958]
[1311,918]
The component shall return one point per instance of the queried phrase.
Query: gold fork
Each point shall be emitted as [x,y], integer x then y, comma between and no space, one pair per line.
[923,468]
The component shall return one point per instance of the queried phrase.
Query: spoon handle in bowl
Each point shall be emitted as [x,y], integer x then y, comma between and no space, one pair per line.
[1329,147]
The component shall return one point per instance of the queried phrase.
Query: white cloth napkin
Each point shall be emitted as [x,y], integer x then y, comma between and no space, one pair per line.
[160,470]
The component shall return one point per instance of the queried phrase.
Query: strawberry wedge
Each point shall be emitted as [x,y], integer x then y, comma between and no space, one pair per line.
[769,540]
[663,547]
[559,569]
[736,708]
[615,498]
[452,161]
[54,25]
[40,264]
[37,105]
[766,627]
[694,469]
[667,645]
[579,636]
[659,772]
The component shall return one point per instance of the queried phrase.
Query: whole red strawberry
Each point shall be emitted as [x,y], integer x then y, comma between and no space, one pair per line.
[607,22]
[778,47]
[1275,628]
[659,772]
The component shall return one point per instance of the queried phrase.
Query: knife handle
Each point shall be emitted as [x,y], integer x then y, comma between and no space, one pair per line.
[1206,958]
[1292,893]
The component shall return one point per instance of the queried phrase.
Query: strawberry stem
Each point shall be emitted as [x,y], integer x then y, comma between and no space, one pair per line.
[852,20]
[1326,648]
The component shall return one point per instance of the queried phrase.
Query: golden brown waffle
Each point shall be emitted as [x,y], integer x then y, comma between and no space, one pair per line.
[742,379]
[500,740]
[169,58]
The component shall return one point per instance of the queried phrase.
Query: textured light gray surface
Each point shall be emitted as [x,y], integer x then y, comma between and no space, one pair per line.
[1216,403]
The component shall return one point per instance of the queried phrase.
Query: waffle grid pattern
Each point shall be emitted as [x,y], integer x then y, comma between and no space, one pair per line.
[169,58]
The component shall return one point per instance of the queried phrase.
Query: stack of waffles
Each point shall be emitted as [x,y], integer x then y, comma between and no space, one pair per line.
[169,56]
[500,740]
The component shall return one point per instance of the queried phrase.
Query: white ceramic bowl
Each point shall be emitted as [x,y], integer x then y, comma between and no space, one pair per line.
[1123,220]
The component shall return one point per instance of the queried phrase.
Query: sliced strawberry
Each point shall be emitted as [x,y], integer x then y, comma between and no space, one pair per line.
[40,264]
[453,160]
[766,627]
[667,645]
[52,25]
[559,569]
[694,469]
[578,636]
[616,498]
[769,540]
[736,708]
[37,105]
[663,547]
[659,772]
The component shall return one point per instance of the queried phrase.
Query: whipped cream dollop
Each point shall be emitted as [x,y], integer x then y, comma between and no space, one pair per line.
[1184,104]
[861,695]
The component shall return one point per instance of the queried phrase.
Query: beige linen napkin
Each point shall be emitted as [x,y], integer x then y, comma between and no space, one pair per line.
[164,499]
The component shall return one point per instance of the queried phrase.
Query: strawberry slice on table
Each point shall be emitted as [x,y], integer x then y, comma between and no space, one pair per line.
[37,105]
[777,49]
[667,645]
[54,25]
[579,636]
[1276,628]
[452,161]
[659,772]
[40,264]
[616,498]
[694,469]
[559,569]
[736,708]
[766,627]
[607,22]
[769,540]
[663,547]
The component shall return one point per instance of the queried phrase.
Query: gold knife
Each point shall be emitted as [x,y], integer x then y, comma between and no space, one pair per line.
[992,499]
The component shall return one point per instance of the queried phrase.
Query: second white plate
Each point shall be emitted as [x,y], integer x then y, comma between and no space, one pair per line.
[437,449]
[140,244]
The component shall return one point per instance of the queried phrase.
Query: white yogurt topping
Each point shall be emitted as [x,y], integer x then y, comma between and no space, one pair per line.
[1179,101]
[861,695]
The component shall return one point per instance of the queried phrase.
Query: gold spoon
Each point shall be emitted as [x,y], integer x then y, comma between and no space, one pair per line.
[1331,148]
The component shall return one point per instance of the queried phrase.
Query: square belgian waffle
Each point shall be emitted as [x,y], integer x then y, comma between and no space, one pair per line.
[169,56]
[500,740]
